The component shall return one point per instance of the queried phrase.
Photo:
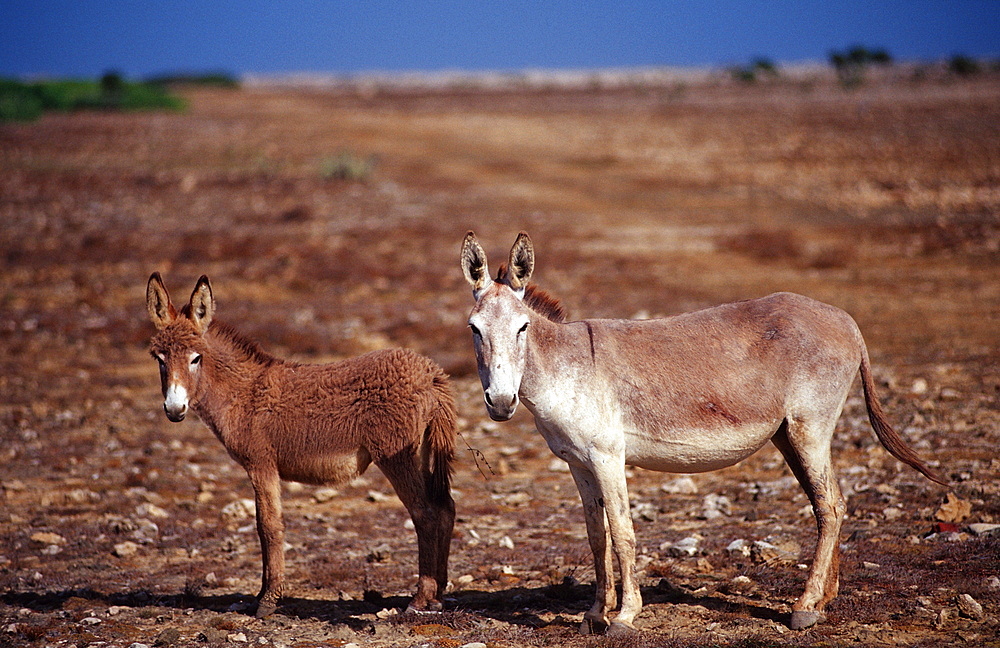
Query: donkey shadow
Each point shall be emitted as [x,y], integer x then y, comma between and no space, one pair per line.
[521,606]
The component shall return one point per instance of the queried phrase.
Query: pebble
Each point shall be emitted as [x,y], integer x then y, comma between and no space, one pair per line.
[740,547]
[765,552]
[240,509]
[993,583]
[686,547]
[474,644]
[124,549]
[90,621]
[969,607]
[377,496]
[715,506]
[138,645]
[558,465]
[238,637]
[325,494]
[506,542]
[680,486]
[48,538]
[151,510]
[981,529]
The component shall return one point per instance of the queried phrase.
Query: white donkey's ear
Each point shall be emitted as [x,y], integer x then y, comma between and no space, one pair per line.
[522,262]
[474,265]
[202,305]
[161,311]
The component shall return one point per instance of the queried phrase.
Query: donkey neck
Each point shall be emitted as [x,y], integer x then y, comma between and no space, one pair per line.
[232,370]
[558,353]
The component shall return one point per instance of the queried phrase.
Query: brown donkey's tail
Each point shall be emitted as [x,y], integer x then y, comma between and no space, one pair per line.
[440,436]
[886,435]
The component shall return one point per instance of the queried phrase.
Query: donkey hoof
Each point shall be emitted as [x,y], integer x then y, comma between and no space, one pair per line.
[621,629]
[265,609]
[432,607]
[592,627]
[802,619]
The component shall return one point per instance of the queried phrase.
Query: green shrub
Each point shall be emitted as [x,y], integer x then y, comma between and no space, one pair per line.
[851,64]
[963,65]
[27,101]
[346,166]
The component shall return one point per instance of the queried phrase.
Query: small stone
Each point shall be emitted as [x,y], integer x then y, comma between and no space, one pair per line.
[715,506]
[167,637]
[686,547]
[385,613]
[765,552]
[474,644]
[680,486]
[151,510]
[870,565]
[969,607]
[138,645]
[238,637]
[738,548]
[954,509]
[465,579]
[90,621]
[241,509]
[980,529]
[919,386]
[993,583]
[48,538]
[125,549]
[742,585]
[325,494]
[506,542]
[377,496]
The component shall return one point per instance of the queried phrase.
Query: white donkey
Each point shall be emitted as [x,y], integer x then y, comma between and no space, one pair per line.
[685,394]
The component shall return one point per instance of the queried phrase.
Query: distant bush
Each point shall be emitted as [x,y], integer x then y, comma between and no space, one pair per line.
[851,64]
[963,65]
[759,67]
[346,166]
[21,101]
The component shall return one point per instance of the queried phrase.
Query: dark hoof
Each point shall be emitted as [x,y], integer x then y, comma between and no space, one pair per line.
[802,619]
[621,629]
[265,609]
[591,627]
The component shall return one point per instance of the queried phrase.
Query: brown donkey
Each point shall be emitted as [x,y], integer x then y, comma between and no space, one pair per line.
[691,393]
[315,424]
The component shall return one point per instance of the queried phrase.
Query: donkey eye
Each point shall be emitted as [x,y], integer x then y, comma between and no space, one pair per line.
[524,327]
[196,360]
[475,331]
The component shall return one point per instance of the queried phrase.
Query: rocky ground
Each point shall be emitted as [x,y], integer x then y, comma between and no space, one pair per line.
[330,224]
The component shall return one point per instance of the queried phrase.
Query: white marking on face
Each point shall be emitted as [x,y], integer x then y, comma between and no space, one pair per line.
[500,340]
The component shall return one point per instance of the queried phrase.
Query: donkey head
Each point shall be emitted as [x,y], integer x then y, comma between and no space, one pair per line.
[179,342]
[499,322]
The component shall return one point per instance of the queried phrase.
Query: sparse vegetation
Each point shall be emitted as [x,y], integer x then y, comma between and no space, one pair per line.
[852,63]
[21,101]
[963,65]
[757,69]
[346,166]
[210,79]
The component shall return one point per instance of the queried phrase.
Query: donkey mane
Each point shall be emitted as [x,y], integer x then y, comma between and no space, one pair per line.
[242,343]
[537,299]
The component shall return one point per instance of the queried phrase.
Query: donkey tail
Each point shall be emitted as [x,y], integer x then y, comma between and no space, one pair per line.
[440,437]
[886,435]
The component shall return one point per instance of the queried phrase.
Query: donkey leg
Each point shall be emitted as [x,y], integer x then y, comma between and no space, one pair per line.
[807,450]
[407,479]
[595,620]
[610,474]
[271,531]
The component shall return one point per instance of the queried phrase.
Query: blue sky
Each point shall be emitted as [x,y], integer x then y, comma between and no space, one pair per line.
[84,38]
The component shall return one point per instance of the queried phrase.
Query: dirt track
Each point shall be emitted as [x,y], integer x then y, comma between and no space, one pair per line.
[884,201]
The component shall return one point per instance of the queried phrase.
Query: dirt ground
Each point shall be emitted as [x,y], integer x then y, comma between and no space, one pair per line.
[118,527]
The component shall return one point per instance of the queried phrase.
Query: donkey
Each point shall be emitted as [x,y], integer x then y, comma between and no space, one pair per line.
[685,394]
[315,424]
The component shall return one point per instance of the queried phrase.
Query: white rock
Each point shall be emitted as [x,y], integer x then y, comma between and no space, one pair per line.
[48,538]
[715,506]
[240,509]
[686,547]
[148,509]
[993,583]
[983,529]
[238,637]
[680,486]
[474,644]
[325,494]
[969,607]
[90,621]
[125,549]
[919,386]
[740,547]
[506,542]
[377,496]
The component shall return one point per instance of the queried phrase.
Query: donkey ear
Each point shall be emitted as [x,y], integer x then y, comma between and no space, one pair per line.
[474,264]
[202,305]
[522,262]
[161,311]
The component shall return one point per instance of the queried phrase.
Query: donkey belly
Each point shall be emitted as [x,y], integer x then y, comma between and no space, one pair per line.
[691,451]
[324,468]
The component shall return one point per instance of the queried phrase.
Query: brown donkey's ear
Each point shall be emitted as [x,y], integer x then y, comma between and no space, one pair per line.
[474,264]
[202,305]
[522,262]
[161,311]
